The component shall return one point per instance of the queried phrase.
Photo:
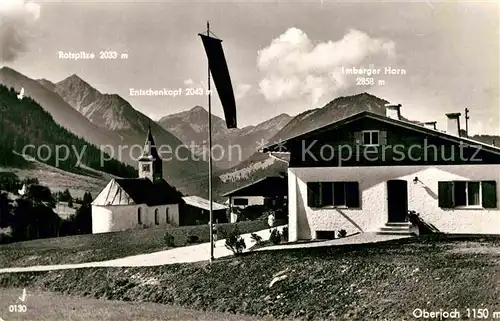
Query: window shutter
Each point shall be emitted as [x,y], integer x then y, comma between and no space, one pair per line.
[313,194]
[382,137]
[445,194]
[357,138]
[489,194]
[326,194]
[352,194]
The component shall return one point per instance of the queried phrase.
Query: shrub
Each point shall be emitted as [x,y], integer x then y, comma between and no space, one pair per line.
[235,242]
[256,238]
[275,236]
[5,235]
[342,233]
[169,239]
[252,212]
[221,233]
[192,239]
[284,234]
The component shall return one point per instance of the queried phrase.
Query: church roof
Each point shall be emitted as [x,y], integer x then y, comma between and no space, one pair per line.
[150,138]
[150,152]
[203,203]
[131,191]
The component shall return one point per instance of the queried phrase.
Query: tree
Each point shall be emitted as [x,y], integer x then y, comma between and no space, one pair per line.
[34,216]
[65,196]
[9,182]
[41,194]
[83,216]
[6,210]
[87,198]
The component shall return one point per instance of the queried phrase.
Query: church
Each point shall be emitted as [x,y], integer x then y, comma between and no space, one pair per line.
[131,203]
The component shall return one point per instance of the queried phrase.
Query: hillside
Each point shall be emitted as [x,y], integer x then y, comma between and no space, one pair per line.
[60,111]
[338,108]
[24,122]
[192,127]
[113,114]
[487,139]
[377,281]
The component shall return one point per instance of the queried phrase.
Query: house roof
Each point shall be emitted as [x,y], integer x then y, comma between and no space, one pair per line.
[202,203]
[282,146]
[130,191]
[268,186]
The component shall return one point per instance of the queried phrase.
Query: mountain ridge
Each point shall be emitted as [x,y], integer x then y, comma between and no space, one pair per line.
[113,113]
[191,127]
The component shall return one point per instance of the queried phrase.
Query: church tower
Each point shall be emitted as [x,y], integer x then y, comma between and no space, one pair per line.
[150,163]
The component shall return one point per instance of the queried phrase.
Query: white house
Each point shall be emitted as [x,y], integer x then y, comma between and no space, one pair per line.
[268,191]
[245,201]
[364,172]
[145,201]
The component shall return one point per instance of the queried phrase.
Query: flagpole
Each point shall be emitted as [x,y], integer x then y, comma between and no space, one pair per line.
[210,158]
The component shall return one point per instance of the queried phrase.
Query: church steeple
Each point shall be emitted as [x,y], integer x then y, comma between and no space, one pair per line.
[150,163]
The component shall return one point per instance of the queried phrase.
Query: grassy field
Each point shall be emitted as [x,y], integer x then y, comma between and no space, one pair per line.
[363,282]
[45,306]
[106,246]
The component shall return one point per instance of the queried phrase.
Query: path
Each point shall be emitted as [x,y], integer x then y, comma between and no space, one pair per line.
[201,252]
[188,254]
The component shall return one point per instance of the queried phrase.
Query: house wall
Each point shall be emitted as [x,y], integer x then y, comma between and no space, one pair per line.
[192,215]
[372,214]
[123,217]
[252,200]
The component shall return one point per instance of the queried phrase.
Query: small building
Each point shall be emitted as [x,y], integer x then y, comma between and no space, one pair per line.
[271,191]
[133,203]
[366,171]
[196,210]
[64,210]
[245,201]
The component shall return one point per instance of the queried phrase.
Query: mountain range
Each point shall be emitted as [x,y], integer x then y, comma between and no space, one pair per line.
[109,121]
[238,144]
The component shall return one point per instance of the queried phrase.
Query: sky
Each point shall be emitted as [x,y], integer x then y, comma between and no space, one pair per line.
[283,56]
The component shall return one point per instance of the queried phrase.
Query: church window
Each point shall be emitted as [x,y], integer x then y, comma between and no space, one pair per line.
[139,216]
[167,216]
[157,217]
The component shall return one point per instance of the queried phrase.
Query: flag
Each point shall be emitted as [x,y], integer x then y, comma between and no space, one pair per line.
[220,74]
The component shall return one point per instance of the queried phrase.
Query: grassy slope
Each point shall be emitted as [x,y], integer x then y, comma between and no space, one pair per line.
[369,282]
[44,306]
[106,246]
[58,180]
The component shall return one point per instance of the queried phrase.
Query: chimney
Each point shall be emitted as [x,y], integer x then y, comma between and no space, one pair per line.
[430,125]
[393,111]
[453,125]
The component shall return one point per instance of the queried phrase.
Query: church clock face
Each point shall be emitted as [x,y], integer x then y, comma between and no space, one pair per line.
[145,167]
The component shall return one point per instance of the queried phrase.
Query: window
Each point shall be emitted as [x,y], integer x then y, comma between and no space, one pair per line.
[139,216]
[320,194]
[467,193]
[370,137]
[157,217]
[240,201]
[145,167]
[167,216]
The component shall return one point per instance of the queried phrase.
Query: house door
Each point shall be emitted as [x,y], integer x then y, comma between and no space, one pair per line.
[397,200]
